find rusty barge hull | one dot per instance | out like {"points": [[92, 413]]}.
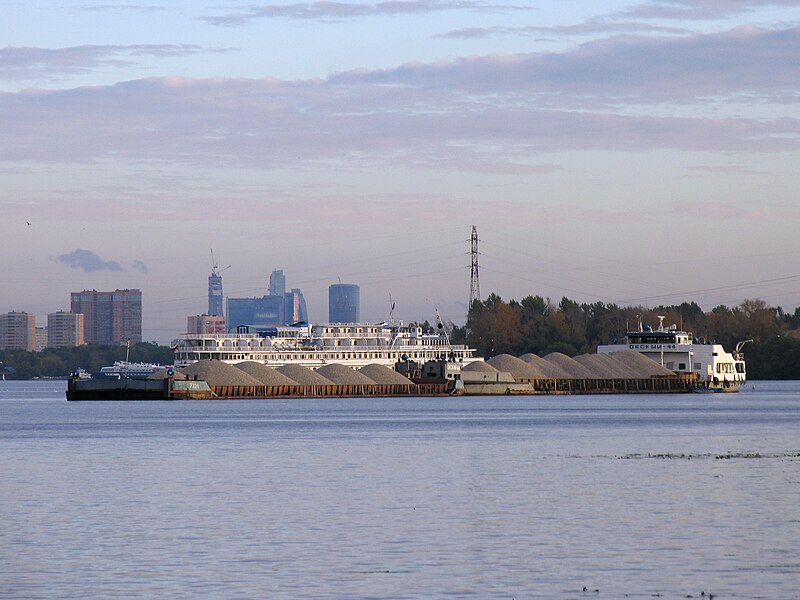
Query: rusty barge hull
{"points": [[198, 390]]}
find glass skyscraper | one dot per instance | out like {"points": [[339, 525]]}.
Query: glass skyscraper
{"points": [[344, 303]]}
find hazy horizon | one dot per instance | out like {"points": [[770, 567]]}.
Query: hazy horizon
{"points": [[641, 152]]}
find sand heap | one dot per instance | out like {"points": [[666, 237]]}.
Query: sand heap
{"points": [[573, 368], [640, 364], [479, 366], [547, 368], [619, 368], [384, 375], [594, 365], [519, 369], [218, 373], [622, 365], [266, 375], [303, 375], [343, 375], [164, 373]]}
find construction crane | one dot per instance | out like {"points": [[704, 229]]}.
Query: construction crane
{"points": [[215, 270]]}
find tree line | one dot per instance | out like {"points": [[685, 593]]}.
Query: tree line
{"points": [[541, 326], [60, 362], [534, 324]]}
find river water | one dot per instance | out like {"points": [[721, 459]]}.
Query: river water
{"points": [[636, 496]]}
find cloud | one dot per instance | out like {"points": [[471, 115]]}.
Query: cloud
{"points": [[139, 266], [338, 11], [715, 211], [121, 7], [624, 69], [700, 9], [34, 63], [88, 261], [590, 27], [487, 113]]}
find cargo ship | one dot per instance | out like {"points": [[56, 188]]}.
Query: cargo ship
{"points": [[717, 370]]}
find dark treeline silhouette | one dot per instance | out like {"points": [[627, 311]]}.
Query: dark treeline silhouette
{"points": [[538, 325], [60, 362]]}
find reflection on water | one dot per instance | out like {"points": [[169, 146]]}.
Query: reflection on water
{"points": [[530, 497]]}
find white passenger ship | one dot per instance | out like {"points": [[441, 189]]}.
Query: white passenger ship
{"points": [[717, 370], [132, 370], [351, 344]]}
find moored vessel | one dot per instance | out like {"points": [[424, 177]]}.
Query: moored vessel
{"points": [[717, 370], [129, 370], [352, 344]]}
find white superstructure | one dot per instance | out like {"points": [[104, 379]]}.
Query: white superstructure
{"points": [[133, 370], [352, 344], [676, 350]]}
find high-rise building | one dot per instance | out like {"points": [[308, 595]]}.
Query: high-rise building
{"points": [[41, 339], [215, 294], [279, 307], [18, 331], [109, 317], [294, 307], [215, 288], [255, 312], [65, 330], [344, 303], [277, 283], [200, 324]]}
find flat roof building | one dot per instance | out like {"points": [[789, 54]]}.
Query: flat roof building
{"points": [[18, 331], [109, 317], [201, 324], [65, 330]]}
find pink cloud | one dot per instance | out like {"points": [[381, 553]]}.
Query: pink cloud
{"points": [[716, 211]]}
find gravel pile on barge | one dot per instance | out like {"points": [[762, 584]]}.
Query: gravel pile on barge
{"points": [[303, 375], [595, 365], [217, 373], [617, 368], [548, 369], [518, 368], [164, 374], [573, 368], [266, 375], [479, 366], [384, 375], [641, 364], [343, 375]]}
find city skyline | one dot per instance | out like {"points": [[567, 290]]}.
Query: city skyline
{"points": [[638, 152]]}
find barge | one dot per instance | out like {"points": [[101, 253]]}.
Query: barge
{"points": [[434, 378]]}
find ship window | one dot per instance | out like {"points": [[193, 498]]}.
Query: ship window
{"points": [[698, 366], [740, 367], [681, 366]]}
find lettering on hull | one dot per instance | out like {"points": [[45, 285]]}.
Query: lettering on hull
{"points": [[653, 347]]}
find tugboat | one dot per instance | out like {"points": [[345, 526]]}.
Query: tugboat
{"points": [[717, 370]]}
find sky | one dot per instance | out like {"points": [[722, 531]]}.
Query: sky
{"points": [[638, 152]]}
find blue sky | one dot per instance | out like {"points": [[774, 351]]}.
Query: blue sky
{"points": [[637, 152]]}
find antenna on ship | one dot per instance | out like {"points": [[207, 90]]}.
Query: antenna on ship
{"points": [[391, 308], [440, 326], [474, 281]]}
